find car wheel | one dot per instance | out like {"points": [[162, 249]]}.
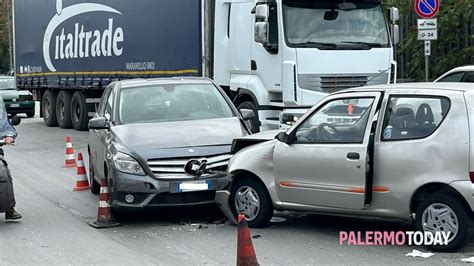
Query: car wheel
{"points": [[445, 213], [79, 111], [249, 196], [63, 109], [95, 186], [254, 123], [30, 114], [48, 107]]}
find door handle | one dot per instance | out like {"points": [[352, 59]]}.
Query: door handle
{"points": [[353, 156]]}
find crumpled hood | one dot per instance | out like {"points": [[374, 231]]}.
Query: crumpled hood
{"points": [[153, 136]]}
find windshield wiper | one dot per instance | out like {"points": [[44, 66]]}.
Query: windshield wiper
{"points": [[317, 44], [368, 44]]}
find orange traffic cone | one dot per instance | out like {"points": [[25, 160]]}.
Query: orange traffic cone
{"points": [[82, 182], [70, 158], [104, 214], [245, 251]]}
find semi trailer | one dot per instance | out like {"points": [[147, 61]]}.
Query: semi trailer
{"points": [[273, 56]]}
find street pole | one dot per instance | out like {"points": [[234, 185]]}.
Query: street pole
{"points": [[9, 27], [427, 71]]}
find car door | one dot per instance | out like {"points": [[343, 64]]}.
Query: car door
{"points": [[326, 162], [98, 136]]}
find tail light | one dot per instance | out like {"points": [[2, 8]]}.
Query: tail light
{"points": [[471, 176]]}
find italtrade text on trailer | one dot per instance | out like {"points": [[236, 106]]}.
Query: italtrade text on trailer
{"points": [[270, 56]]}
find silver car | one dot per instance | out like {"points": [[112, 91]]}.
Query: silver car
{"points": [[163, 142], [408, 154]]}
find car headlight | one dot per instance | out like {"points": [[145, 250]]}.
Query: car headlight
{"points": [[127, 164]]}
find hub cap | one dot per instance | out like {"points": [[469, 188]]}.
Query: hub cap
{"points": [[247, 202], [439, 217]]}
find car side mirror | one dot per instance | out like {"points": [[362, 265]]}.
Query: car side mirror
{"points": [[247, 114], [16, 120], [283, 137], [99, 123]]}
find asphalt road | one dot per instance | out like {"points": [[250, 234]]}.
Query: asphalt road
{"points": [[55, 227]]}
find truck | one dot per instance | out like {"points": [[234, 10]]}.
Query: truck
{"points": [[272, 56]]}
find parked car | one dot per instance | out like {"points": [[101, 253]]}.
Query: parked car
{"points": [[408, 155], [16, 101], [458, 74], [163, 142]]}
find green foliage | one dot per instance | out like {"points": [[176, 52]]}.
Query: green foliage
{"points": [[454, 46], [4, 49]]}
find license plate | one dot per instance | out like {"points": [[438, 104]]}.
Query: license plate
{"points": [[14, 105], [193, 186]]}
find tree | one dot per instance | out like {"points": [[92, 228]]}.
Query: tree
{"points": [[4, 36], [455, 44]]}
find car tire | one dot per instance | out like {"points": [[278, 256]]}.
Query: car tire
{"points": [[63, 109], [95, 186], [79, 111], [30, 114], [255, 122], [254, 187], [48, 107], [453, 206]]}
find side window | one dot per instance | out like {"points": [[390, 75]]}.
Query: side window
{"points": [[109, 105], [469, 77], [413, 117], [338, 121], [101, 109], [454, 77]]}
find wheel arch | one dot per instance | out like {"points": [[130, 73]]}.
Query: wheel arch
{"points": [[427, 190], [241, 174], [244, 95]]}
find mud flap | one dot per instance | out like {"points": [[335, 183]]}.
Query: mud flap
{"points": [[222, 201]]}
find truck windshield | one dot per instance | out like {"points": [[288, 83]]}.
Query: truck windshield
{"points": [[332, 25], [172, 102], [7, 83]]}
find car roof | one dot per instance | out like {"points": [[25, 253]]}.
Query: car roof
{"points": [[446, 86], [161, 81], [462, 68]]}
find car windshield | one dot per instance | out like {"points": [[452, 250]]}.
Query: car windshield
{"points": [[334, 25], [7, 83], [172, 102]]}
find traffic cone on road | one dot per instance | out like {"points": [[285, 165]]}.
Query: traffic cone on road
{"points": [[70, 158], [245, 251], [82, 182], [104, 214]]}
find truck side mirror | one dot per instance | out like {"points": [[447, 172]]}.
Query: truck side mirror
{"points": [[262, 12], [261, 32], [99, 123], [395, 32], [394, 14]]}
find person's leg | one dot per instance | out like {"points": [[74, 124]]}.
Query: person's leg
{"points": [[12, 214]]}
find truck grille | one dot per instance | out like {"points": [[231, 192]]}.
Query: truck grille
{"points": [[174, 167], [330, 84]]}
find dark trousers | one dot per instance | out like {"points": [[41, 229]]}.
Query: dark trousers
{"points": [[7, 197]]}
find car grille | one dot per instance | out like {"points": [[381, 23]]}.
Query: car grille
{"points": [[174, 167], [330, 84]]}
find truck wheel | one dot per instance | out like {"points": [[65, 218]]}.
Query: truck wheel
{"points": [[30, 114], [445, 213], [79, 111], [254, 123], [63, 109], [48, 106], [250, 197]]}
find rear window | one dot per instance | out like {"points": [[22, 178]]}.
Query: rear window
{"points": [[413, 117]]}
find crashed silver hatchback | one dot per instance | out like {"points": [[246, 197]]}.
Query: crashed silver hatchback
{"points": [[403, 151], [163, 142]]}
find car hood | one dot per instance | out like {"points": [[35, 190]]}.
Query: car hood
{"points": [[9, 94], [141, 137]]}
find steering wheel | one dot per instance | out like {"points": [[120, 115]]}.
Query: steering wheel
{"points": [[326, 131]]}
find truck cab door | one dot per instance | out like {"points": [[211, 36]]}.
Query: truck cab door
{"points": [[326, 162]]}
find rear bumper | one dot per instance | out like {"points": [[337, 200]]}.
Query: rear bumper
{"points": [[23, 107], [151, 192]]}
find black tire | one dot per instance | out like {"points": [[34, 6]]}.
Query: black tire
{"points": [[463, 215], [30, 114], [63, 109], [48, 107], [79, 111], [255, 122], [95, 186], [265, 213]]}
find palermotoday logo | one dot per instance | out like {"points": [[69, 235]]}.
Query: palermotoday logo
{"points": [[83, 42]]}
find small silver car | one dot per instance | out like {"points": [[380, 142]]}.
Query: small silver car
{"points": [[163, 142], [402, 151]]}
